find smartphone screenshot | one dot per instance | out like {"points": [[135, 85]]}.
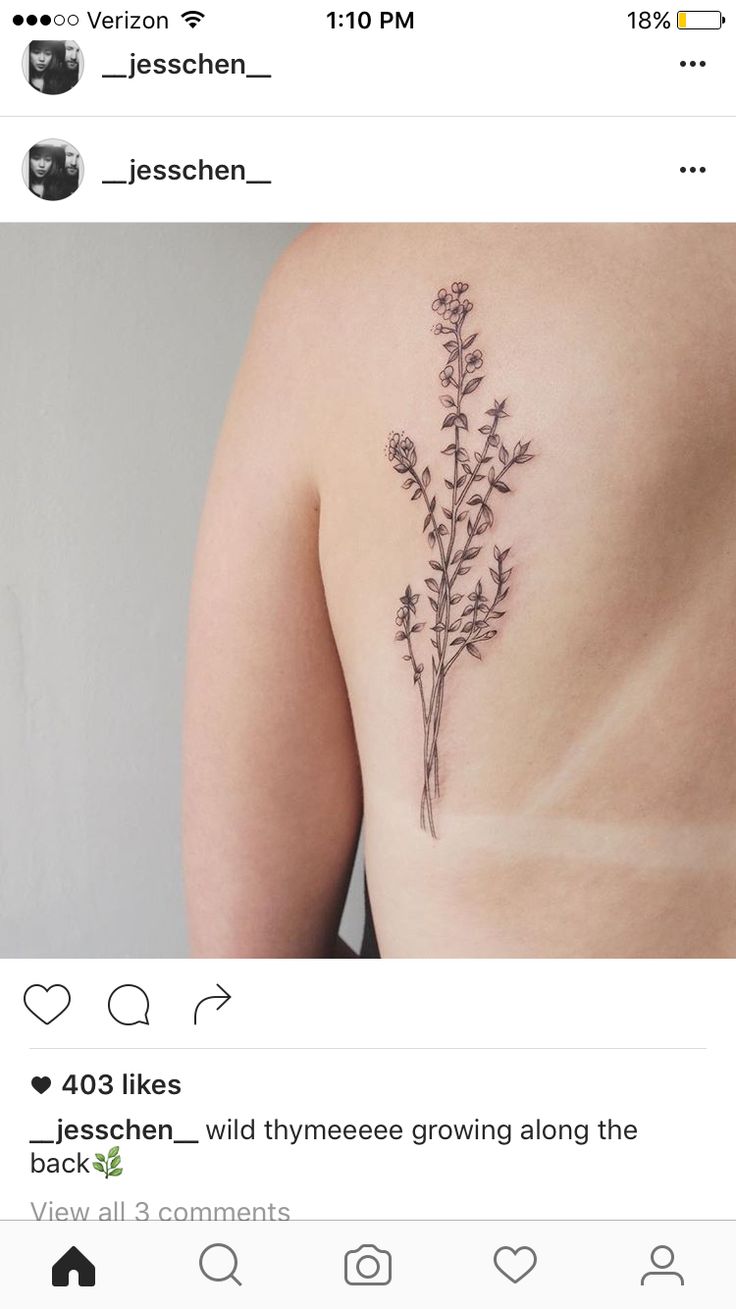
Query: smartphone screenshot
{"points": [[367, 687]]}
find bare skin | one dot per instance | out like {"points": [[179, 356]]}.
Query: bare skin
{"points": [[588, 767]]}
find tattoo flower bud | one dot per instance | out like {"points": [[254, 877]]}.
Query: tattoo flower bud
{"points": [[459, 288], [401, 451], [474, 360], [441, 301], [447, 376]]}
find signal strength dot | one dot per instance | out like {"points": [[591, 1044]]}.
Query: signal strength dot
{"points": [[192, 16]]}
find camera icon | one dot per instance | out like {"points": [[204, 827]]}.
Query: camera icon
{"points": [[367, 1266]]}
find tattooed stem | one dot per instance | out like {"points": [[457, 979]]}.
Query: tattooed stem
{"points": [[449, 562]]}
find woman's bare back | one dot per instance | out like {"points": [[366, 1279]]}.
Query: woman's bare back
{"points": [[570, 736]]}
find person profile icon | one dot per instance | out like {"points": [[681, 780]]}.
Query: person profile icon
{"points": [[662, 1258]]}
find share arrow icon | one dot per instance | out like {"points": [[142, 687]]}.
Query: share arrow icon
{"points": [[220, 1000]]}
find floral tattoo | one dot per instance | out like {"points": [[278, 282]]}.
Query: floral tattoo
{"points": [[452, 531]]}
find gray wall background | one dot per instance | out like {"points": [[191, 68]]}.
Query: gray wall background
{"points": [[118, 347]]}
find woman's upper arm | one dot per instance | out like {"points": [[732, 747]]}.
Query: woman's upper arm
{"points": [[272, 797]]}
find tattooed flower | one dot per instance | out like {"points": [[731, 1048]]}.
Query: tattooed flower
{"points": [[409, 601], [440, 303], [459, 612], [401, 451]]}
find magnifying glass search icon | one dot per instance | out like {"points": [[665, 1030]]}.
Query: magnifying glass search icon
{"points": [[219, 1263]]}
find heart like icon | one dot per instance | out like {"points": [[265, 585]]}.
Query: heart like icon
{"points": [[515, 1264], [40, 1084], [47, 1003]]}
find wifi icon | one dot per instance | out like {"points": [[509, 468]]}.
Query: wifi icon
{"points": [[192, 17]]}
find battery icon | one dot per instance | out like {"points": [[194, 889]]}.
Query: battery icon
{"points": [[699, 20]]}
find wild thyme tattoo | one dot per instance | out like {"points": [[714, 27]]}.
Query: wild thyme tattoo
{"points": [[453, 531]]}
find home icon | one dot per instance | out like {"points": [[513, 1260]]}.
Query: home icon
{"points": [[73, 1262]]}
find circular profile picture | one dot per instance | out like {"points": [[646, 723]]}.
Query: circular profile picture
{"points": [[53, 67], [53, 169]]}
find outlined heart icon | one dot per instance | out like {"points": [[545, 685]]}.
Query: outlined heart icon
{"points": [[47, 1003], [515, 1264]]}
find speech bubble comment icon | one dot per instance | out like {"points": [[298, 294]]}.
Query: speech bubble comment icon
{"points": [[128, 1005]]}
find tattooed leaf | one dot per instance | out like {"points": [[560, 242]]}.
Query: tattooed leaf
{"points": [[447, 512], [498, 486], [472, 386], [471, 554], [473, 650], [447, 401], [409, 482], [524, 459], [417, 493], [485, 431], [442, 530], [417, 628], [449, 449], [467, 343], [433, 604], [449, 484], [462, 421], [400, 636], [459, 640], [431, 538], [475, 500], [426, 477], [449, 421], [456, 557], [430, 582], [504, 454], [437, 567], [463, 571], [494, 575], [427, 521], [454, 626]]}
